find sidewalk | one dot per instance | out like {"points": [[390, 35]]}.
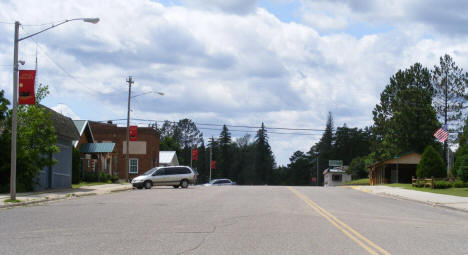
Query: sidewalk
{"points": [[56, 194], [454, 202]]}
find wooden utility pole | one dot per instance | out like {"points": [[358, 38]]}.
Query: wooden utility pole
{"points": [[130, 82]]}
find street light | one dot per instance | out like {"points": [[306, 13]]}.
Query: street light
{"points": [[15, 97], [130, 82]]}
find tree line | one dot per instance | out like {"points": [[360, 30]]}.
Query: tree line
{"points": [[414, 104]]}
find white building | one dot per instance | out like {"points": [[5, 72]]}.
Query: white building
{"points": [[168, 158], [335, 176]]}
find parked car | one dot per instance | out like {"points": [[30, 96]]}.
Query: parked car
{"points": [[175, 176], [220, 182]]}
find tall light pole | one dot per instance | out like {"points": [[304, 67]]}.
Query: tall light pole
{"points": [[130, 82], [14, 117]]}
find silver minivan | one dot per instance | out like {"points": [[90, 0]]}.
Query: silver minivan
{"points": [[175, 176]]}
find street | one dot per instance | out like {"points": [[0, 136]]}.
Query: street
{"points": [[234, 220]]}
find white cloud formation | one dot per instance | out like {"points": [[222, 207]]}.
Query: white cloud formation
{"points": [[226, 62], [65, 110]]}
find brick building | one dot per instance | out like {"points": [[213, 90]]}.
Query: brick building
{"points": [[143, 153]]}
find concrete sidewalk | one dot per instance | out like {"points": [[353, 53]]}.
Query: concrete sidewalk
{"points": [[56, 194], [454, 202]]}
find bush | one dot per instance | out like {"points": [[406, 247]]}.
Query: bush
{"points": [[431, 164], [442, 185], [460, 184], [114, 178], [462, 171]]}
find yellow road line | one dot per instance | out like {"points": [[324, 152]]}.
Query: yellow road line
{"points": [[347, 230]]}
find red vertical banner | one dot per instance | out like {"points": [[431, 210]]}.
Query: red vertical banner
{"points": [[213, 164], [195, 154], [133, 133], [26, 87]]}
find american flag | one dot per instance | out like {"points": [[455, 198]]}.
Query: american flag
{"points": [[441, 134]]}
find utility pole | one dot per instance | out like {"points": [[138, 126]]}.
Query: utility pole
{"points": [[130, 82], [14, 120], [210, 163], [317, 169]]}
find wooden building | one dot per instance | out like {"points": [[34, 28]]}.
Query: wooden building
{"points": [[396, 170]]}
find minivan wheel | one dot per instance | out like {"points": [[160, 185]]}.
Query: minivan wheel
{"points": [[175, 186], [148, 185], [184, 184]]}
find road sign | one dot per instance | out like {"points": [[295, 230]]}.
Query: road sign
{"points": [[335, 163]]}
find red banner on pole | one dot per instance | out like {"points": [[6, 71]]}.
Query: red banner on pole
{"points": [[195, 154], [213, 164], [26, 87], [133, 133]]}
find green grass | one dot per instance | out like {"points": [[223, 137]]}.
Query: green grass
{"points": [[461, 192], [11, 201], [364, 181], [75, 186]]}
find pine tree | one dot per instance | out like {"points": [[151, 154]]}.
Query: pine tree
{"points": [[325, 147], [225, 157], [264, 160], [450, 83], [431, 164], [405, 120]]}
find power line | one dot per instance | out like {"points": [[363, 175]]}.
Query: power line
{"points": [[234, 126]]}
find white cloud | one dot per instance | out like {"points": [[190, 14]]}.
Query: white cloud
{"points": [[226, 62], [65, 110]]}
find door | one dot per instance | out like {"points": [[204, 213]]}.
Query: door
{"points": [[159, 177]]}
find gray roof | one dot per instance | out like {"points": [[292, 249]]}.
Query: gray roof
{"points": [[81, 126], [97, 147], [63, 125]]}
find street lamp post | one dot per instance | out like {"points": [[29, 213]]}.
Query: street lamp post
{"points": [[14, 117], [130, 82]]}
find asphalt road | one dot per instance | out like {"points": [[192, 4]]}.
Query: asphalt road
{"points": [[234, 220]]}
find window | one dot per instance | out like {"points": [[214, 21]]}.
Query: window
{"points": [[133, 166], [336, 177]]}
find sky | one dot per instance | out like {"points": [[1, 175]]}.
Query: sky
{"points": [[281, 62]]}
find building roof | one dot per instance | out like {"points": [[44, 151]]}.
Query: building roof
{"points": [[165, 157], [334, 170], [407, 158], [81, 127], [97, 147], [63, 125]]}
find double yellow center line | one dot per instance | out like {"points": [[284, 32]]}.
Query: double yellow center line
{"points": [[365, 243]]}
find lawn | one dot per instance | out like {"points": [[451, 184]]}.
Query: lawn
{"points": [[461, 192], [364, 181]]}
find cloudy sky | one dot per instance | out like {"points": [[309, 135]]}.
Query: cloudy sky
{"points": [[237, 62]]}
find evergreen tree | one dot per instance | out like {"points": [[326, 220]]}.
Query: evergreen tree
{"points": [[300, 169], [264, 160], [325, 147], [431, 164], [463, 168], [225, 157], [405, 120], [450, 83]]}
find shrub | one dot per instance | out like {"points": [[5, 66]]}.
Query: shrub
{"points": [[114, 178], [431, 164], [463, 150], [462, 171], [460, 184], [442, 185]]}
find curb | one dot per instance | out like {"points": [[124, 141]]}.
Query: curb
{"points": [[62, 197], [434, 204]]}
